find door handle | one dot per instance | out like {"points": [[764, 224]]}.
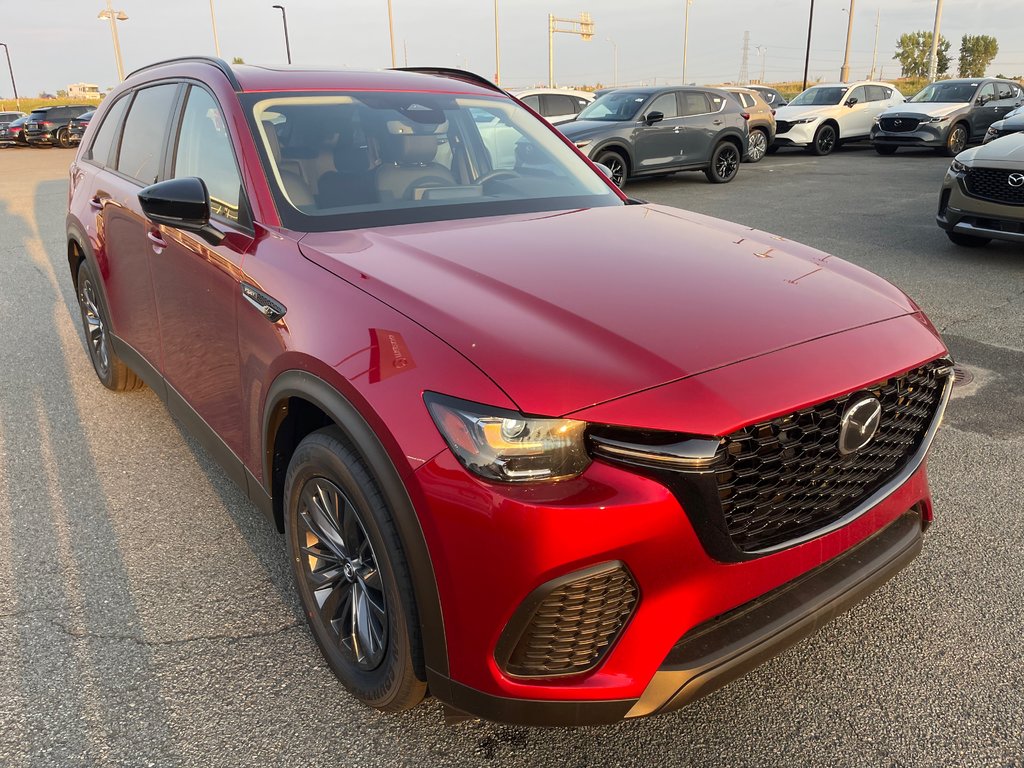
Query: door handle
{"points": [[716, 122], [158, 242]]}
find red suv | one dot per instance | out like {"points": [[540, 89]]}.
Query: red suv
{"points": [[558, 455]]}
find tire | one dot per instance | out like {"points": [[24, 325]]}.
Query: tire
{"points": [[725, 163], [617, 163], [825, 140], [357, 595], [63, 138], [968, 241], [885, 149], [757, 146], [956, 140], [110, 369]]}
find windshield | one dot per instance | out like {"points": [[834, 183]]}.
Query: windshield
{"points": [[614, 106], [820, 95], [950, 93], [354, 160]]}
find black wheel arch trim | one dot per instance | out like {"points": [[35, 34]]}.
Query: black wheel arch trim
{"points": [[309, 387], [616, 145]]}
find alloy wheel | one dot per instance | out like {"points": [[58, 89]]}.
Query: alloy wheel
{"points": [[727, 162], [342, 573], [618, 169], [758, 146], [95, 328], [957, 140], [825, 141]]}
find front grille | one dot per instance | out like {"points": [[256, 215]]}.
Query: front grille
{"points": [[570, 625], [785, 478], [994, 184], [899, 124], [782, 126]]}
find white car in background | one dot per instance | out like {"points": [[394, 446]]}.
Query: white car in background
{"points": [[556, 105], [825, 115]]}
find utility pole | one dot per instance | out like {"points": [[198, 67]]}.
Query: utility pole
{"points": [[583, 26], [874, 53], [844, 73], [615, 62], [391, 33], [10, 69], [933, 62], [744, 78], [807, 59], [497, 48], [686, 35], [762, 51], [216, 40]]}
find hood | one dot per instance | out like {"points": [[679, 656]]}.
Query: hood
{"points": [[791, 113], [579, 129], [570, 309], [930, 108], [1007, 152]]}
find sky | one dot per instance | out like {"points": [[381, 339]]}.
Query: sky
{"points": [[57, 42]]}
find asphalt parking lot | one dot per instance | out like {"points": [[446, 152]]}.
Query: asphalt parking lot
{"points": [[147, 614]]}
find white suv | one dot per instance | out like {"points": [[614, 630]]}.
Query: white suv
{"points": [[825, 115], [556, 105]]}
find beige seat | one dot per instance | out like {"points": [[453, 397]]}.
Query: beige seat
{"points": [[409, 164], [295, 187]]}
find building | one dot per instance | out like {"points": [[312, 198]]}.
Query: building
{"points": [[88, 91]]}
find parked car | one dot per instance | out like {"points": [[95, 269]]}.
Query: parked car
{"points": [[946, 115], [658, 131], [6, 118], [556, 105], [524, 449], [982, 197], [48, 126], [824, 116], [77, 126], [772, 96], [14, 132], [1012, 123], [760, 122]]}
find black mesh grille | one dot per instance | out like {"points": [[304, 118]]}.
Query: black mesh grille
{"points": [[899, 124], [782, 126], [785, 478], [574, 625], [994, 184]]}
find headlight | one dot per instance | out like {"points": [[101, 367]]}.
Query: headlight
{"points": [[957, 167], [878, 119], [804, 120], [928, 119], [506, 446], [582, 144]]}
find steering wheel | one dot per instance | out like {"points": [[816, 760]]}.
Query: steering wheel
{"points": [[500, 173]]}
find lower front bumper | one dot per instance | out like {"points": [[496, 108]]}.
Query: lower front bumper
{"points": [[934, 138], [966, 215], [724, 648]]}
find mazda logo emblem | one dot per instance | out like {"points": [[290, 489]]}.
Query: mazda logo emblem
{"points": [[1016, 179], [897, 122], [859, 425]]}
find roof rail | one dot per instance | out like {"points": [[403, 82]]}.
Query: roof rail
{"points": [[454, 74], [213, 61]]}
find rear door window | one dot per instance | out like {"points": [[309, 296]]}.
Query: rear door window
{"points": [[554, 104], [695, 103], [145, 133], [104, 138], [877, 93]]}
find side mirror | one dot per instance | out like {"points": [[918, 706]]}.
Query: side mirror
{"points": [[183, 204], [654, 117], [604, 169], [981, 101], [851, 102]]}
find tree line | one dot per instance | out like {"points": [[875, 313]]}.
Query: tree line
{"points": [[913, 52]]}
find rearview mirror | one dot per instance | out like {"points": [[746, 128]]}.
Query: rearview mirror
{"points": [[654, 117], [183, 204]]}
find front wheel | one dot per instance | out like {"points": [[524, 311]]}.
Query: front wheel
{"points": [[825, 140], [757, 146], [615, 163], [956, 141], [885, 149], [725, 162], [968, 241], [351, 573]]}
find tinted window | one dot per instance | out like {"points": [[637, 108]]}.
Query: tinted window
{"points": [[666, 104], [104, 138], [204, 150], [695, 103], [987, 93], [557, 104], [1005, 91], [142, 141], [533, 102], [858, 94], [877, 93]]}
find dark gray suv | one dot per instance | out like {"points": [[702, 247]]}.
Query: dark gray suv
{"points": [[946, 115], [658, 131]]}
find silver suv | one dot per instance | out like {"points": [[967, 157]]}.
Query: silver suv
{"points": [[947, 115]]}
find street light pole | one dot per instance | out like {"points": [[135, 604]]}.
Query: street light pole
{"points": [[216, 40], [497, 47], [686, 34], [933, 62], [113, 17], [17, 101], [844, 73], [287, 43], [615, 62], [391, 32], [807, 59]]}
